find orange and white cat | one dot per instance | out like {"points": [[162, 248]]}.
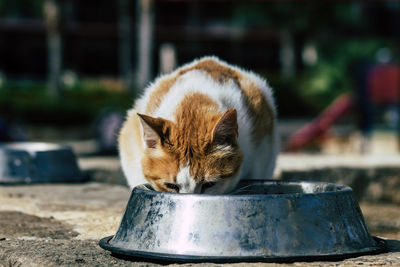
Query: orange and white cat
{"points": [[200, 129]]}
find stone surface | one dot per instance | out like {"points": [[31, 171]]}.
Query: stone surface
{"points": [[93, 209], [372, 177], [382, 219], [60, 225], [305, 162], [28, 226]]}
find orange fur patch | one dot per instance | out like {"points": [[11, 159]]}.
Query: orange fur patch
{"points": [[217, 71], [190, 141], [196, 118], [159, 92], [160, 169], [260, 110]]}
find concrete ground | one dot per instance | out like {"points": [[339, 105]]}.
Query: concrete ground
{"points": [[61, 224]]}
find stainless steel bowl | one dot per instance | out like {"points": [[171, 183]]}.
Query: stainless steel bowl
{"points": [[264, 220], [31, 162]]}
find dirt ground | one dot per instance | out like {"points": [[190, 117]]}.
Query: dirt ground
{"points": [[60, 225]]}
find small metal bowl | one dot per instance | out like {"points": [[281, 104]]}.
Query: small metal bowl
{"points": [[32, 162], [262, 221]]}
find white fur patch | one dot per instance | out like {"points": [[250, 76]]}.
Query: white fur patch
{"points": [[185, 181]]}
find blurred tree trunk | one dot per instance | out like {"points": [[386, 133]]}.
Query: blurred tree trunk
{"points": [[52, 18], [145, 15], [287, 54], [167, 58], [125, 43]]}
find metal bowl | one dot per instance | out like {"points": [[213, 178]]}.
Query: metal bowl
{"points": [[262, 221], [31, 162]]}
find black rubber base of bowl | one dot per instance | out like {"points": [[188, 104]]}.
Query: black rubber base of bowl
{"points": [[134, 255]]}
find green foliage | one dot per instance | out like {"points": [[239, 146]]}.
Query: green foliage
{"points": [[33, 103], [311, 16], [332, 76]]}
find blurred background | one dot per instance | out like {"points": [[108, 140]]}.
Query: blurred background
{"points": [[69, 69]]}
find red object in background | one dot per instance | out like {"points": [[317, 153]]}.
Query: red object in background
{"points": [[384, 84], [383, 88], [321, 124]]}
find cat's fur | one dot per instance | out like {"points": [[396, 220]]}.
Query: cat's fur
{"points": [[200, 129]]}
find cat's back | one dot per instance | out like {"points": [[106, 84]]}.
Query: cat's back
{"points": [[252, 91]]}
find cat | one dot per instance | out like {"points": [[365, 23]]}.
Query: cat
{"points": [[200, 129]]}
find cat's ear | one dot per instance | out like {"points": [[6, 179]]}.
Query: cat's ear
{"points": [[153, 130], [226, 129]]}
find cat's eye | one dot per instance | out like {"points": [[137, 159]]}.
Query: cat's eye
{"points": [[173, 187]]}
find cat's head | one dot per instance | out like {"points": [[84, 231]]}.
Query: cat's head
{"points": [[192, 156]]}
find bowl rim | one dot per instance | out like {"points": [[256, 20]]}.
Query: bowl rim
{"points": [[343, 189]]}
